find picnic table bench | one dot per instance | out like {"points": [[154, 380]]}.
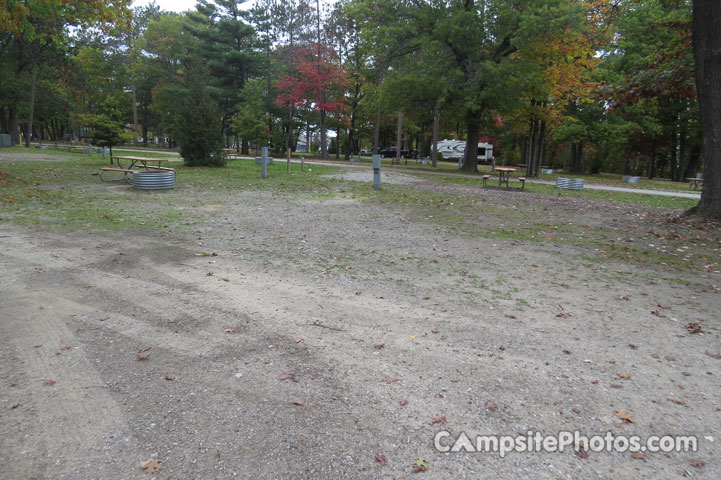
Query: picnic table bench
{"points": [[126, 174], [695, 182], [231, 153]]}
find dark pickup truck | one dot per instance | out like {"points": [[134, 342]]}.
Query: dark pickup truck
{"points": [[390, 152]]}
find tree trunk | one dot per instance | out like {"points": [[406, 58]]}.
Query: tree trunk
{"points": [[135, 116], [540, 148], [436, 124], [706, 38], [31, 113], [678, 174], [470, 156], [4, 124], [323, 137], [693, 157], [377, 131], [399, 136]]}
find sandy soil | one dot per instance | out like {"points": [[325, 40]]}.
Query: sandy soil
{"points": [[299, 338]]}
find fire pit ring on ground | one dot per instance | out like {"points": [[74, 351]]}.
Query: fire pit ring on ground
{"points": [[153, 180]]}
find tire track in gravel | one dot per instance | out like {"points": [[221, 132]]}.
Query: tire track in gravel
{"points": [[99, 442]]}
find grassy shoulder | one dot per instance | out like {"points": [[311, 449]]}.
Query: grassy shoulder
{"points": [[61, 189], [646, 200]]}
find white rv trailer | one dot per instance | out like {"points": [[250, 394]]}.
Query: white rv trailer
{"points": [[454, 150]]}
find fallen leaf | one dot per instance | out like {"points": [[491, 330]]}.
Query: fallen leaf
{"points": [[151, 465], [638, 455], [144, 349], [49, 383], [624, 416], [210, 274], [717, 356], [567, 352], [616, 385], [390, 379], [170, 379], [658, 314], [435, 330], [297, 340], [676, 401], [508, 315], [623, 377], [491, 405], [595, 382], [420, 465], [142, 356], [378, 346], [381, 459], [697, 463], [581, 454], [15, 406], [439, 420], [62, 349], [403, 403], [632, 346], [300, 403], [693, 328], [229, 330], [288, 376]]}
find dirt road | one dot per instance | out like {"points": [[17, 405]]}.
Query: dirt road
{"points": [[286, 340]]}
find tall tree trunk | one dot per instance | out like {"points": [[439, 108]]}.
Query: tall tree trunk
{"points": [[289, 140], [4, 124], [399, 137], [135, 116], [31, 112], [436, 124], [706, 38], [652, 165], [470, 156], [540, 148], [624, 169], [678, 174], [694, 152], [323, 136], [377, 131], [532, 145]]}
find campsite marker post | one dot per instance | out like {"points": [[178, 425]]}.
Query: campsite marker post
{"points": [[264, 160]]}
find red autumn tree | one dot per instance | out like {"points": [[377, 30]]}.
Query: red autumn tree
{"points": [[316, 83]]}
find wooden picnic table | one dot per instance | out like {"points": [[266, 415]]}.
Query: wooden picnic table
{"points": [[504, 174], [142, 161]]}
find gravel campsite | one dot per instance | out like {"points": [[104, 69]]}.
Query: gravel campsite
{"points": [[310, 327]]}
